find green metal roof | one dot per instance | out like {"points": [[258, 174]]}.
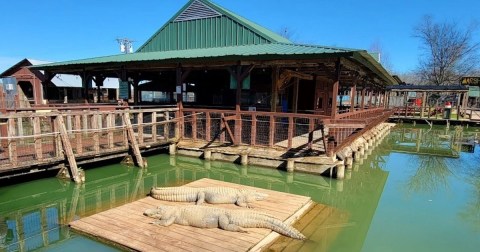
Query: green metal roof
{"points": [[260, 51], [203, 24]]}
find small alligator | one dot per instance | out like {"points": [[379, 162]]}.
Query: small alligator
{"points": [[214, 217], [212, 195]]}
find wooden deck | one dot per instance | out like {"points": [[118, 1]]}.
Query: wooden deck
{"points": [[126, 227]]}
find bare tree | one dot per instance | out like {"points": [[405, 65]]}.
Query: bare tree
{"points": [[448, 51]]}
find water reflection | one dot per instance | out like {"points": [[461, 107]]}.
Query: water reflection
{"points": [[34, 215]]}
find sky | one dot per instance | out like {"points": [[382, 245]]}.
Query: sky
{"points": [[60, 30]]}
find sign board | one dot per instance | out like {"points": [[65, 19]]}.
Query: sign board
{"points": [[471, 81], [123, 90]]}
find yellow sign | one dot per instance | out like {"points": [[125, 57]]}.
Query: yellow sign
{"points": [[471, 81]]}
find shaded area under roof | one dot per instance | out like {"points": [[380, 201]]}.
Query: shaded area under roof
{"points": [[421, 88]]}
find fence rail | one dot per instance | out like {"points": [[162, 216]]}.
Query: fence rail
{"points": [[291, 132], [33, 138]]}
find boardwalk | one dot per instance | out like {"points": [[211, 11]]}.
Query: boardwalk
{"points": [[126, 227]]}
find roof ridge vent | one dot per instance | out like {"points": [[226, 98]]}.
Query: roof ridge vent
{"points": [[197, 10]]}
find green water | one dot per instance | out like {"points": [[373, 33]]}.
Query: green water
{"points": [[401, 198]]}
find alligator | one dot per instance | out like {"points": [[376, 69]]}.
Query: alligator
{"points": [[212, 195], [214, 217]]}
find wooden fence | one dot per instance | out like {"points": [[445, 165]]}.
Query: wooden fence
{"points": [[30, 139]]}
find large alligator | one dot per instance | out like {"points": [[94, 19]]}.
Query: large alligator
{"points": [[215, 217], [212, 195]]}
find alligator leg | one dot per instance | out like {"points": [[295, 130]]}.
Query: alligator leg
{"points": [[200, 198], [224, 223], [165, 223]]}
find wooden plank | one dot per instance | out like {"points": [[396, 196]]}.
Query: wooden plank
{"points": [[132, 140], [126, 226], [67, 148]]}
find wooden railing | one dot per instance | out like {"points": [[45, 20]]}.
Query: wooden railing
{"points": [[33, 138], [288, 131]]}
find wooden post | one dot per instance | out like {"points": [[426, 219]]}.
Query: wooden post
{"points": [[132, 140], [295, 95], [273, 102], [166, 126], [110, 129], [154, 126], [253, 134], [362, 105], [223, 128], [95, 134], [353, 91], [194, 125], [37, 137], [78, 135], [311, 129], [208, 125], [424, 99], [271, 136], [140, 127], [57, 138], [67, 148], [290, 131], [405, 102], [12, 142], [336, 84]]}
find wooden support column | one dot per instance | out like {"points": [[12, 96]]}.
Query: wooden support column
{"points": [[99, 79], [295, 95], [336, 85], [132, 140], [271, 135], [67, 148], [240, 73], [362, 105], [458, 107], [181, 77], [275, 77], [370, 97], [353, 92], [135, 91], [424, 98], [45, 83], [208, 125], [405, 102], [253, 133]]}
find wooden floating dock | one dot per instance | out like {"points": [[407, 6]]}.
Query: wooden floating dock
{"points": [[126, 227]]}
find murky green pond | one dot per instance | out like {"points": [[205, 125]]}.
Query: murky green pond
{"points": [[417, 191]]}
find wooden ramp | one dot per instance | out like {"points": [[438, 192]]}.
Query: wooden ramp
{"points": [[126, 227]]}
